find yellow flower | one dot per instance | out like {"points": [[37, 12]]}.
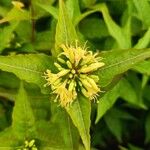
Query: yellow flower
{"points": [[76, 66], [64, 95], [28, 145]]}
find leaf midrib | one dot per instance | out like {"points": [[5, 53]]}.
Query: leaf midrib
{"points": [[127, 60], [70, 134], [20, 68], [83, 122]]}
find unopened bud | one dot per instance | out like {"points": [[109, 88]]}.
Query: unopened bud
{"points": [[59, 67], [69, 64], [95, 78], [57, 82], [71, 85], [70, 75], [61, 60], [86, 83], [63, 72], [31, 143], [91, 67], [85, 93], [26, 143], [73, 71]]}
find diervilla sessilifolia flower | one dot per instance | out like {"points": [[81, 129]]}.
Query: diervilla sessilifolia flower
{"points": [[75, 74], [28, 145]]}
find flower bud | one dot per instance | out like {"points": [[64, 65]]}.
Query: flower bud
{"points": [[73, 71], [57, 82], [71, 85], [31, 143], [91, 67], [70, 75], [94, 77], [86, 83], [61, 60], [63, 72], [69, 64], [68, 53], [85, 93], [93, 84], [58, 66]]}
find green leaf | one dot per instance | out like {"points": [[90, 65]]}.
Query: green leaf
{"points": [[65, 31], [122, 148], [119, 61], [87, 3], [8, 80], [143, 8], [97, 28], [7, 139], [132, 97], [133, 147], [24, 35], [80, 112], [83, 15], [120, 90], [5, 3], [107, 101], [73, 9], [114, 124], [23, 122], [144, 41], [3, 10], [145, 79], [6, 35], [30, 67], [67, 130], [50, 9], [44, 40], [16, 14], [147, 129], [47, 133], [123, 114], [121, 35], [115, 30], [143, 67], [3, 117], [8, 93]]}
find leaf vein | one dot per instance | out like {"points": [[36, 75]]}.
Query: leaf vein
{"points": [[121, 62], [21, 68]]}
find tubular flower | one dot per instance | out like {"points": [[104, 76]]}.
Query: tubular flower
{"points": [[75, 73]]}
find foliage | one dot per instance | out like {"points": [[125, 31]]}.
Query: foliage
{"points": [[31, 35]]}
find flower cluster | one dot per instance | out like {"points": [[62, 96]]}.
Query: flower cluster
{"points": [[75, 65], [28, 145]]}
